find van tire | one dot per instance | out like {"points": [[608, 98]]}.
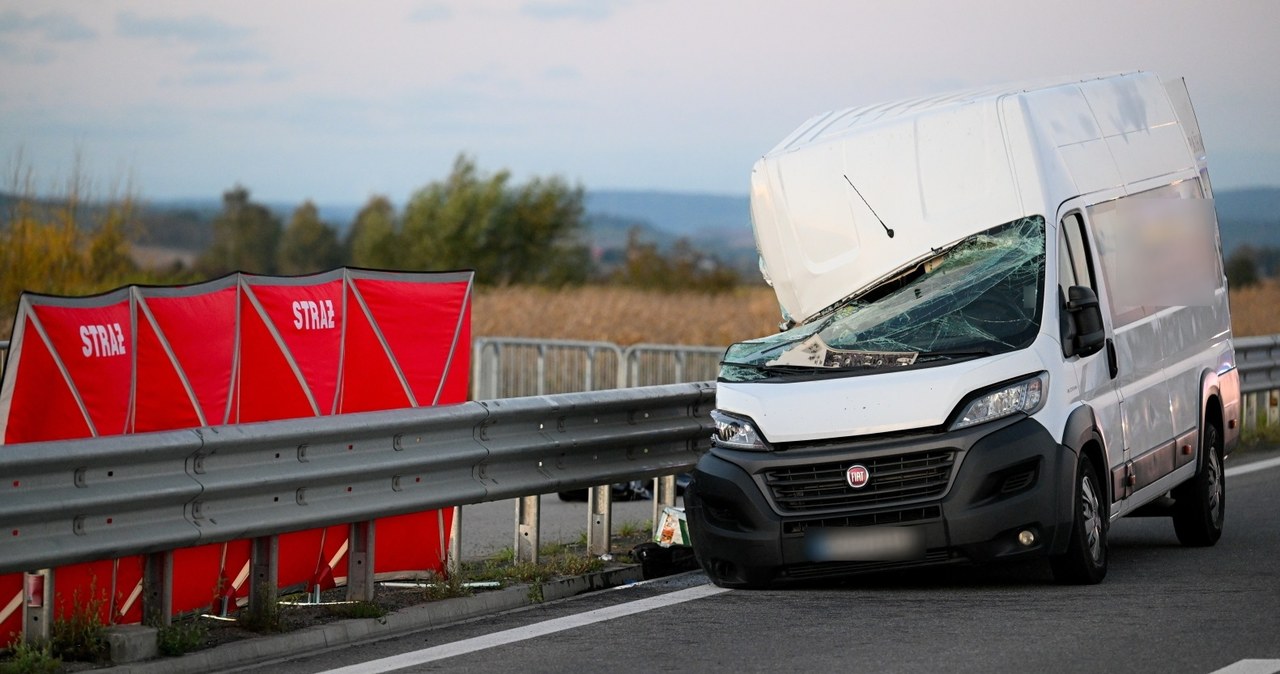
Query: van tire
{"points": [[1200, 504], [1085, 561]]}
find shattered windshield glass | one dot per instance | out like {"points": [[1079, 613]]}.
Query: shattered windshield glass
{"points": [[980, 296]]}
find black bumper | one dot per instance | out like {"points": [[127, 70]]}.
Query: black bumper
{"points": [[1004, 478]]}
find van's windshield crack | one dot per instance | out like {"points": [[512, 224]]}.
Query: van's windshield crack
{"points": [[982, 296]]}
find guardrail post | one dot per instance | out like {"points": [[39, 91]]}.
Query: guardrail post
{"points": [[157, 589], [453, 563], [664, 494], [599, 519], [527, 521], [37, 606], [264, 561], [360, 585]]}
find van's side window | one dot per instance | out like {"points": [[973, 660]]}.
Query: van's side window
{"points": [[1157, 248]]}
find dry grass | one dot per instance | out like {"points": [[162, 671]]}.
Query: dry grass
{"points": [[627, 316], [1256, 310]]}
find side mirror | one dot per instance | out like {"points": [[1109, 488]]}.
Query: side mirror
{"points": [[1086, 318]]}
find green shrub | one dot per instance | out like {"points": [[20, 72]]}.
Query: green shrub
{"points": [[25, 658], [182, 637]]}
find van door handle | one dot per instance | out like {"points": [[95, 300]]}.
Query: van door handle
{"points": [[1112, 363]]}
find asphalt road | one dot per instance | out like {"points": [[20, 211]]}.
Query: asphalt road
{"points": [[1162, 608]]}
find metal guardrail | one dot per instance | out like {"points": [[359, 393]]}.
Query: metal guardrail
{"points": [[1258, 360], [81, 500]]}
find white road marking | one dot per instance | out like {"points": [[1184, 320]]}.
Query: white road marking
{"points": [[1254, 467], [1251, 667], [527, 632]]}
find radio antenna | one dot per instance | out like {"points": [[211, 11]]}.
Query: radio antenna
{"points": [[869, 208]]}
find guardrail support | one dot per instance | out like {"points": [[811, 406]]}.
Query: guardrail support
{"points": [[157, 589], [664, 494], [453, 564], [37, 606], [360, 538], [527, 521], [599, 519], [264, 561]]}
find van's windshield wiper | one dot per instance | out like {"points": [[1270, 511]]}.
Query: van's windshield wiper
{"points": [[800, 369]]}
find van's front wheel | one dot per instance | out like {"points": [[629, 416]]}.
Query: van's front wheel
{"points": [[1200, 503], [1085, 561]]}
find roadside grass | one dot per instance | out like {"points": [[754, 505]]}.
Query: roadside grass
{"points": [[25, 658], [1260, 436], [81, 635]]}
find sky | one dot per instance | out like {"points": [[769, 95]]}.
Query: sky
{"points": [[337, 101]]}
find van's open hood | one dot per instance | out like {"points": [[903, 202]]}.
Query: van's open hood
{"points": [[933, 177]]}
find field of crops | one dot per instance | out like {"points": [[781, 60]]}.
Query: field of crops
{"points": [[627, 316]]}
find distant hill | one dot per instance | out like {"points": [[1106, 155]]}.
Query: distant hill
{"points": [[679, 213]]}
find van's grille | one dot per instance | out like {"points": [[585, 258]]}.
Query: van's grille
{"points": [[878, 518], [894, 479]]}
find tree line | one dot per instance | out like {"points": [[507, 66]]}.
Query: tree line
{"points": [[511, 233]]}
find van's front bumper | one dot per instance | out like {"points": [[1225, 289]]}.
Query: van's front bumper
{"points": [[756, 517]]}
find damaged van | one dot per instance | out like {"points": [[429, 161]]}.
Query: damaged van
{"points": [[1005, 326]]}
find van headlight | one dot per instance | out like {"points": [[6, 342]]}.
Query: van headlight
{"points": [[1025, 396], [735, 432]]}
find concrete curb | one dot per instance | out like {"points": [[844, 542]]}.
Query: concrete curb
{"points": [[410, 619]]}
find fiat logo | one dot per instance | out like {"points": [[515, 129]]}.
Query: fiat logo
{"points": [[857, 476]]}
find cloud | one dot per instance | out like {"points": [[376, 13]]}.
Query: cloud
{"points": [[12, 53], [197, 29], [581, 10], [228, 55], [52, 26], [431, 12]]}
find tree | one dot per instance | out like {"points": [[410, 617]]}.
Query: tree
{"points": [[681, 268], [373, 240], [307, 245], [521, 234], [64, 244], [245, 237], [1241, 268]]}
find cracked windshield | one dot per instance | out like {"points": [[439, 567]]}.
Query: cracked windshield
{"points": [[979, 297]]}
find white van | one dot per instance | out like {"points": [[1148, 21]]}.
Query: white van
{"points": [[1006, 326]]}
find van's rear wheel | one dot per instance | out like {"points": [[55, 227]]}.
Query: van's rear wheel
{"points": [[1200, 504], [1085, 561]]}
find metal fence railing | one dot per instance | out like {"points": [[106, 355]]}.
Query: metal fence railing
{"points": [[505, 367], [512, 367], [653, 364]]}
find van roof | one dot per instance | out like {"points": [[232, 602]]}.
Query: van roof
{"points": [[853, 195], [833, 123]]}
